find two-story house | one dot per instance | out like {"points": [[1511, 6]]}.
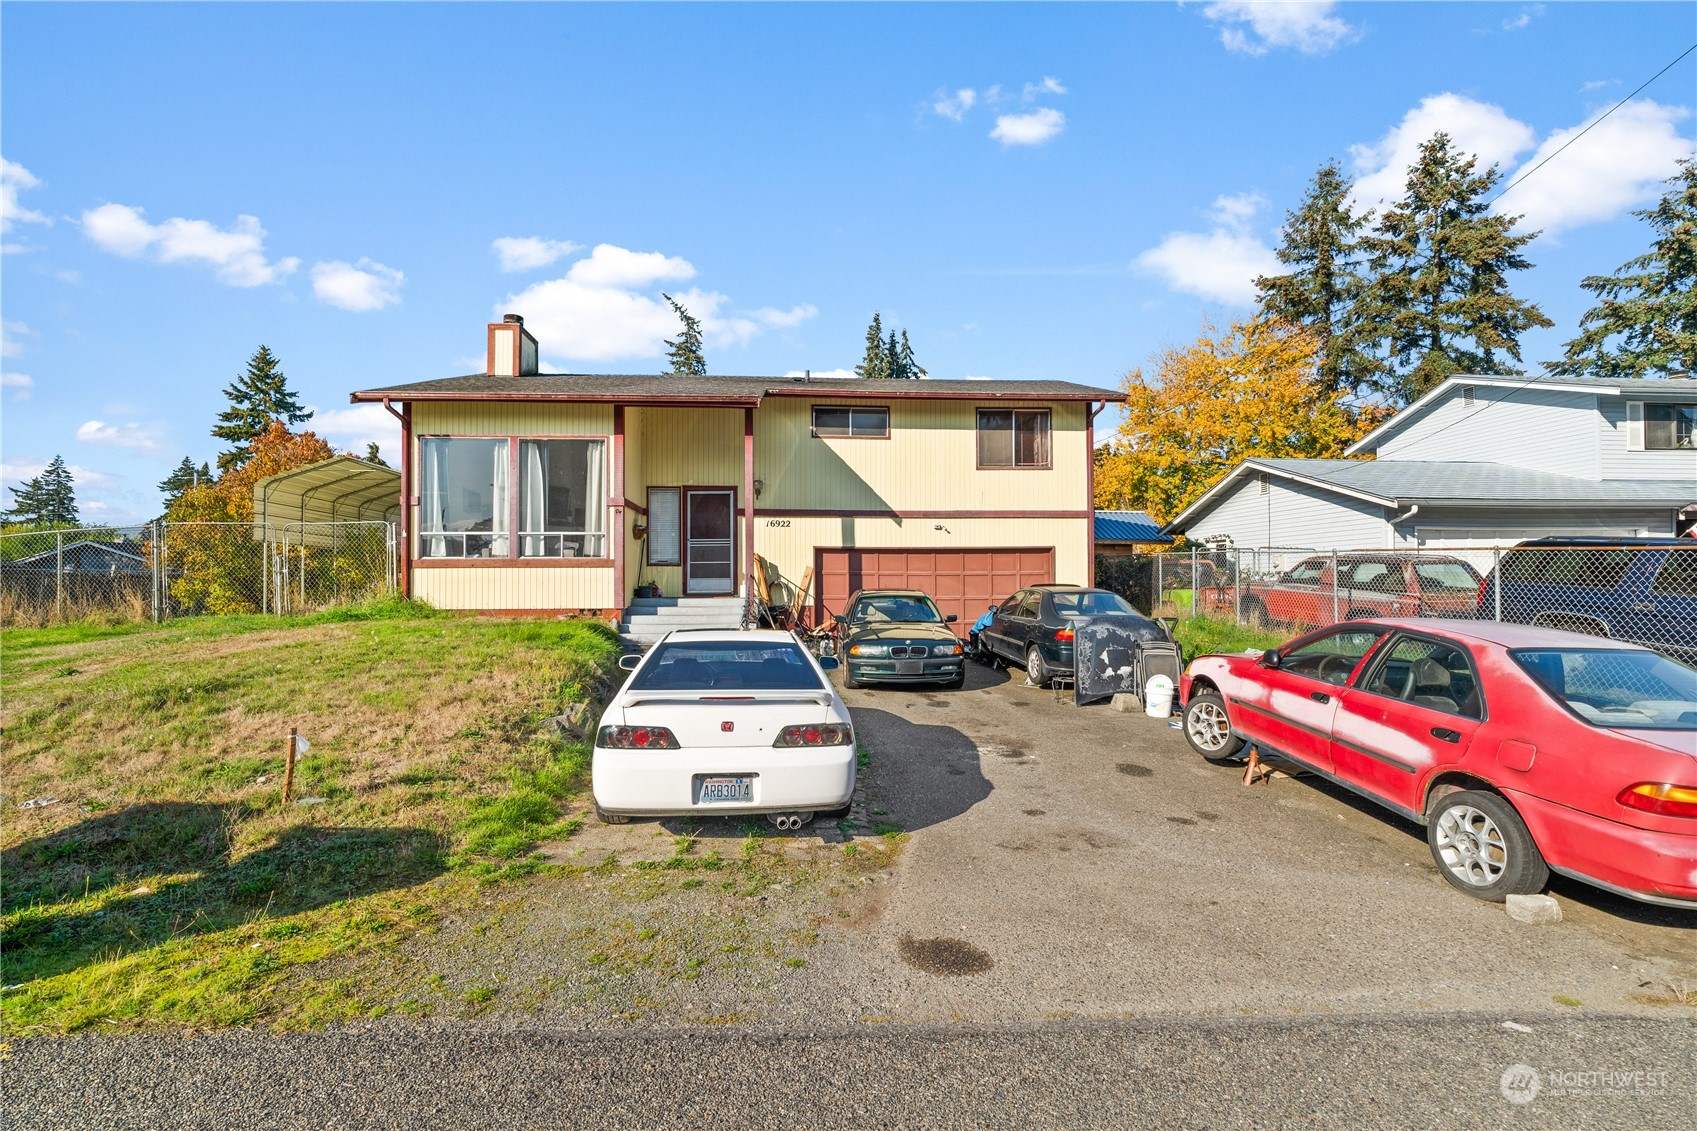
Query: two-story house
{"points": [[1478, 461], [562, 493]]}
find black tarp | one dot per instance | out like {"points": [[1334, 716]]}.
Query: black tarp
{"points": [[1104, 653]]}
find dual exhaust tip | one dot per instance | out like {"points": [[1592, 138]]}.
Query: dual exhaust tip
{"points": [[788, 822]]}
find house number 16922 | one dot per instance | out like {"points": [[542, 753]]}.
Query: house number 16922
{"points": [[777, 522]]}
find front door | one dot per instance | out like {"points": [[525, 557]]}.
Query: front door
{"points": [[710, 543]]}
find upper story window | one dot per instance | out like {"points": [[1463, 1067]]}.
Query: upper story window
{"points": [[463, 499], [853, 422], [1670, 427], [1013, 437]]}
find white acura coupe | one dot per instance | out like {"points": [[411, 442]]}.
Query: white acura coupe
{"points": [[715, 723]]}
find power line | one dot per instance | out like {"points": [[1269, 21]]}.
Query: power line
{"points": [[1540, 376]]}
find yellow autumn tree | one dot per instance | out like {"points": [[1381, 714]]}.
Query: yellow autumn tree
{"points": [[1247, 391], [215, 563]]}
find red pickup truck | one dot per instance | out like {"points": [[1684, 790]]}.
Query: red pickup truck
{"points": [[1365, 585]]}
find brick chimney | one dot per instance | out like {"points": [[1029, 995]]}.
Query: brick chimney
{"points": [[512, 351]]}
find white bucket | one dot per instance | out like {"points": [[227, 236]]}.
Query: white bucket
{"points": [[1158, 697]]}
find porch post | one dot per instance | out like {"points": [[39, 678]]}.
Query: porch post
{"points": [[404, 564], [1090, 411], [748, 509], [616, 531]]}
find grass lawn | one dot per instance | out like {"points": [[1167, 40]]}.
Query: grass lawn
{"points": [[1205, 636], [169, 883]]}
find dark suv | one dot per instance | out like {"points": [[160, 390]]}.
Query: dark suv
{"points": [[1638, 589]]}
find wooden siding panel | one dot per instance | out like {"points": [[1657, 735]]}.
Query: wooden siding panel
{"points": [[511, 418], [1293, 514], [518, 588], [1540, 429]]}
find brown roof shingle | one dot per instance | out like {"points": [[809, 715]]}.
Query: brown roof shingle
{"points": [[671, 387]]}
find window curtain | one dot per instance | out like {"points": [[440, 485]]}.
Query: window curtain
{"points": [[594, 500], [432, 502], [533, 498], [498, 544]]}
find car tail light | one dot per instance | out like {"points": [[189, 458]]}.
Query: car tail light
{"points": [[815, 734], [636, 738], [1064, 634], [1660, 798], [1479, 601]]}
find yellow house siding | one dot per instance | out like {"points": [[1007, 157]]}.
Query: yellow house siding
{"points": [[929, 462], [511, 418], [516, 588], [681, 447]]}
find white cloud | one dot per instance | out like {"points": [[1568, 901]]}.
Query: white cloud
{"points": [[794, 316], [1221, 265], [1527, 14], [608, 306], [119, 435], [13, 178], [1032, 128], [9, 344], [22, 469], [954, 106], [367, 285], [822, 374], [526, 253], [22, 382], [236, 254], [1620, 163], [1479, 128], [1597, 84], [1254, 27], [353, 428], [610, 266], [1049, 85]]}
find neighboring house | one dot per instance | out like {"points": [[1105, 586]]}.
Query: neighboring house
{"points": [[1478, 461], [538, 492], [87, 559], [1128, 532]]}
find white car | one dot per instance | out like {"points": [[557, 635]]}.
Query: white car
{"points": [[715, 723]]}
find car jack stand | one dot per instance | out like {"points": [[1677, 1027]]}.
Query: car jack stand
{"points": [[1255, 773]]}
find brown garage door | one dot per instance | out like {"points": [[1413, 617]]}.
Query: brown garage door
{"points": [[963, 582]]}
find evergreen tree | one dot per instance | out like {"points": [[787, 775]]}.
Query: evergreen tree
{"points": [[48, 500], [1437, 301], [876, 364], [257, 397], [182, 477], [373, 454], [910, 367], [893, 359], [1323, 251], [1645, 322], [685, 353]]}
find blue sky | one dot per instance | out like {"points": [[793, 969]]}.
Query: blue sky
{"points": [[362, 188]]}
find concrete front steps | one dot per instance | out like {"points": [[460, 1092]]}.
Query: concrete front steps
{"points": [[650, 618]]}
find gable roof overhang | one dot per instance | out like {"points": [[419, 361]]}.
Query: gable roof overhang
{"points": [[659, 390], [1207, 500]]}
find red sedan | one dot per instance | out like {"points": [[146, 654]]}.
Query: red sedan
{"points": [[1521, 750]]}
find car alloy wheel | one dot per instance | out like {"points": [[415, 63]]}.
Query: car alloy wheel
{"points": [[1208, 729], [1036, 671], [1483, 847]]}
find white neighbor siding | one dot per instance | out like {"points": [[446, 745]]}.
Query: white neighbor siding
{"points": [[1293, 514], [1619, 458], [1540, 429]]}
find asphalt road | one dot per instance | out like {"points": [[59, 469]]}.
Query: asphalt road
{"points": [[1357, 1073]]}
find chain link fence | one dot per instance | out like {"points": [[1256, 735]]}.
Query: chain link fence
{"points": [[1645, 592], [170, 569]]}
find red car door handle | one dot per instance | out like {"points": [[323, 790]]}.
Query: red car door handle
{"points": [[1446, 735], [1319, 697]]}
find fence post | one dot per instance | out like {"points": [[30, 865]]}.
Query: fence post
{"points": [[1334, 587], [1195, 576], [1497, 580], [59, 575], [1237, 586]]}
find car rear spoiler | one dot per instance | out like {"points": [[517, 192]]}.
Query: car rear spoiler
{"points": [[765, 698]]}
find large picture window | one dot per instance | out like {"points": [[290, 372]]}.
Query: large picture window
{"points": [[463, 500], [854, 422], [1017, 437], [562, 498]]}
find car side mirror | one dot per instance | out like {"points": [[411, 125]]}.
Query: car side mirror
{"points": [[951, 618], [1271, 658], [628, 662], [840, 619], [829, 663]]}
